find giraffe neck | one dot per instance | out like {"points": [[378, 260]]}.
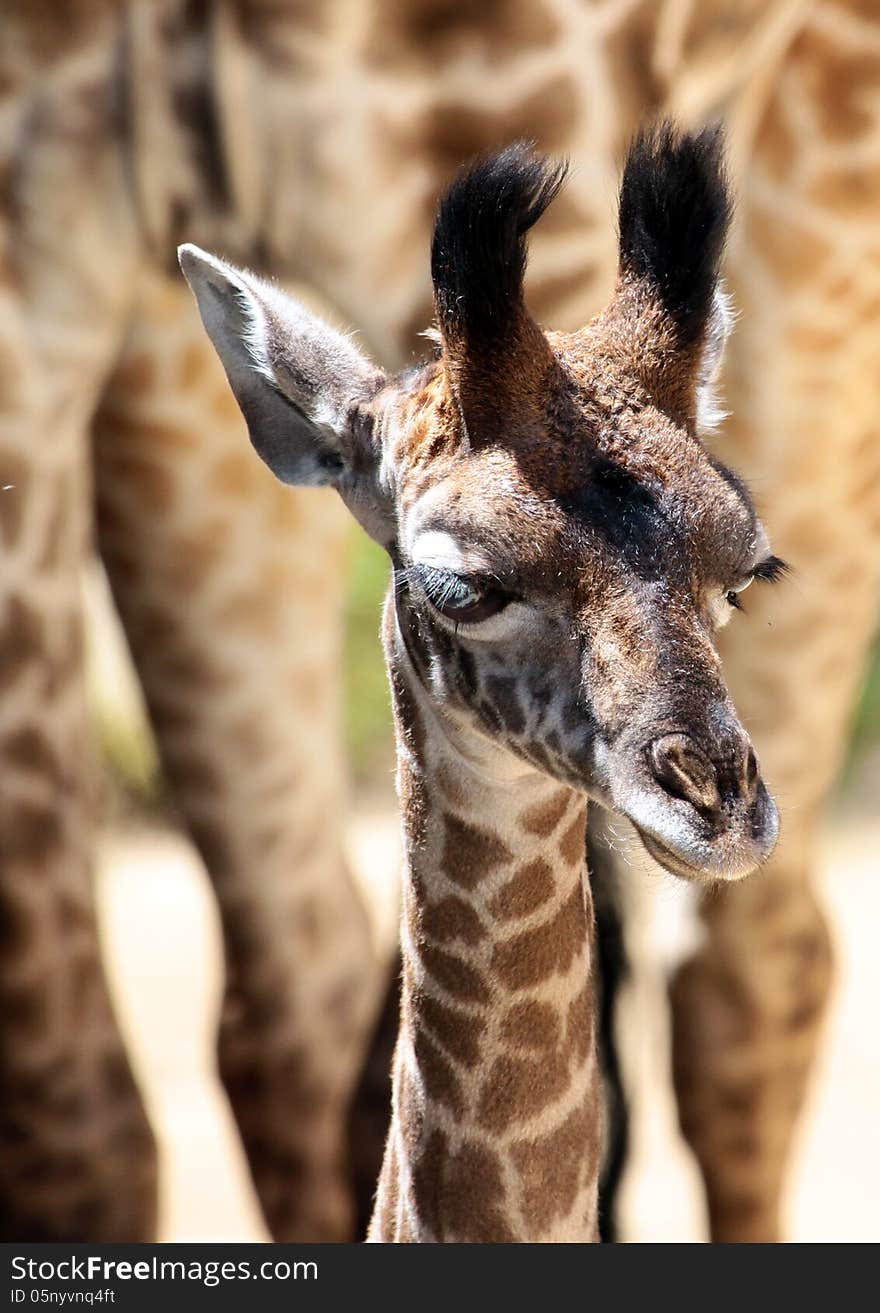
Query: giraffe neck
{"points": [[495, 1126]]}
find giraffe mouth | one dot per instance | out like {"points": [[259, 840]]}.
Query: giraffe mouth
{"points": [[672, 861], [704, 844], [669, 859]]}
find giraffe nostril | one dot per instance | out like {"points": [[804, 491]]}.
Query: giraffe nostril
{"points": [[683, 771]]}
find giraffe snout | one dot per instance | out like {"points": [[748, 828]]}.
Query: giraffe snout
{"points": [[700, 807]]}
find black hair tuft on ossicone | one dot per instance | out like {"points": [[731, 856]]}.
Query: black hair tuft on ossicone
{"points": [[478, 254], [675, 210]]}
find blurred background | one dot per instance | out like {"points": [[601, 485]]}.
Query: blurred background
{"points": [[311, 140]]}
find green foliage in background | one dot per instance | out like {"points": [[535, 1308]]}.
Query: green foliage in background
{"points": [[866, 722], [367, 706]]}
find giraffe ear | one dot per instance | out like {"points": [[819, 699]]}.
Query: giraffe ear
{"points": [[299, 383]]}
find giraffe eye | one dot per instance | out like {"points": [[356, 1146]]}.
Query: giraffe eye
{"points": [[459, 598], [733, 595]]}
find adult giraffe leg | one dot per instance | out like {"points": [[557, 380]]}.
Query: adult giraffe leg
{"points": [[230, 591], [77, 1157], [805, 395]]}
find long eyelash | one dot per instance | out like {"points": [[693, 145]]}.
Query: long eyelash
{"points": [[771, 570], [440, 585]]}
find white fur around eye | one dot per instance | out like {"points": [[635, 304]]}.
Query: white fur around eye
{"points": [[437, 550], [721, 611], [441, 551], [721, 608]]}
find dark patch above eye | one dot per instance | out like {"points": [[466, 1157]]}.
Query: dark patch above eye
{"points": [[611, 488], [619, 481], [624, 510]]}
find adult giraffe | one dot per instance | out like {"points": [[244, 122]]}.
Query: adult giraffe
{"points": [[116, 428]]}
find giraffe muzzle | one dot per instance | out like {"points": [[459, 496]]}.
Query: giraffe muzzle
{"points": [[703, 814]]}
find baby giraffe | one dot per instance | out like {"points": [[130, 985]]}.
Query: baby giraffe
{"points": [[563, 549]]}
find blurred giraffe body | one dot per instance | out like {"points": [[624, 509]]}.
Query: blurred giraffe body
{"points": [[311, 142], [111, 390]]}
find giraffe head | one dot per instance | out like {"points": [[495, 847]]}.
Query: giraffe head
{"points": [[564, 547]]}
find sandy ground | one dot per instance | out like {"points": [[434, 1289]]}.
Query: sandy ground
{"points": [[163, 946]]}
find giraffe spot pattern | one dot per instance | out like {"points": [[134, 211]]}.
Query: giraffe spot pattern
{"points": [[536, 954], [520, 1086], [530, 887], [25, 1011], [31, 835], [516, 1088], [450, 786], [447, 1182], [156, 485], [441, 1082], [469, 851], [530, 1025], [579, 1023], [136, 375], [450, 131], [21, 641], [456, 976], [843, 85], [459, 1032], [452, 919], [502, 692], [432, 31], [490, 716], [572, 845], [543, 818], [553, 1169], [28, 750]]}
